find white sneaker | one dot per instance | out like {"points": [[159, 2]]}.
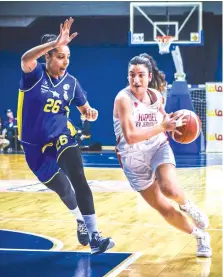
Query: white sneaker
{"points": [[198, 217], [204, 246]]}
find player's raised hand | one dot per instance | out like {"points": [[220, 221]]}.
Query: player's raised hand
{"points": [[64, 37]]}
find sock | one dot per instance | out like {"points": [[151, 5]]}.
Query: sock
{"points": [[185, 206], [76, 212], [197, 233], [91, 224]]}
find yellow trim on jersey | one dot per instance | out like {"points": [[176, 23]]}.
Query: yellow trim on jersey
{"points": [[67, 111], [70, 126], [45, 146], [72, 129], [19, 112], [52, 177], [65, 149]]}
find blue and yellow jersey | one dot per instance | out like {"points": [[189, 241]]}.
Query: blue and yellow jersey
{"points": [[43, 105]]}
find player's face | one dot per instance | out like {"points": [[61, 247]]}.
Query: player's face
{"points": [[139, 78], [58, 61]]}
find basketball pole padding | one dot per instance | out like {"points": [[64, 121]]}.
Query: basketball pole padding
{"points": [[179, 98]]}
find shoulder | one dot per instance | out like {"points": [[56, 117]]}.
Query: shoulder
{"points": [[30, 79], [123, 94], [40, 67], [155, 91], [123, 98], [70, 78]]}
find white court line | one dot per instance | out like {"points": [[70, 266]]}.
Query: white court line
{"points": [[124, 265], [102, 221], [57, 243], [28, 250]]}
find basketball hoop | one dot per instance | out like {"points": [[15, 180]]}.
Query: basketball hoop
{"points": [[164, 43]]}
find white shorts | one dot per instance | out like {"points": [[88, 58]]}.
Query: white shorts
{"points": [[140, 167]]}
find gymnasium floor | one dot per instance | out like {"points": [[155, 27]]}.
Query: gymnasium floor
{"points": [[38, 234]]}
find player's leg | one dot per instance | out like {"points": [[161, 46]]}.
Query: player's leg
{"points": [[45, 167], [60, 184], [163, 163], [141, 178], [154, 197], [70, 160]]}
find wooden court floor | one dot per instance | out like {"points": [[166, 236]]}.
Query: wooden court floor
{"points": [[123, 215]]}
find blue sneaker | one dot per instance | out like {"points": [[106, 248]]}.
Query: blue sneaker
{"points": [[82, 233], [99, 244]]}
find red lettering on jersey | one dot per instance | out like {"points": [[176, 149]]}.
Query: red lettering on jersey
{"points": [[147, 117]]}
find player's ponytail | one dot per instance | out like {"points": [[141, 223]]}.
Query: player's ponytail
{"points": [[158, 77]]}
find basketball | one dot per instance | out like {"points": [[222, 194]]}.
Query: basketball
{"points": [[190, 131]]}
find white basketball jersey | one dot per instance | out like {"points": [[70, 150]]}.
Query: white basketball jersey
{"points": [[145, 116]]}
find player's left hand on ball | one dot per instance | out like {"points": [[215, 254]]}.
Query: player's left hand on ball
{"points": [[91, 114], [179, 123]]}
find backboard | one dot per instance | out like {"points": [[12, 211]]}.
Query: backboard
{"points": [[180, 20]]}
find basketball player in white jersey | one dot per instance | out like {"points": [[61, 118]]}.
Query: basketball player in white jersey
{"points": [[148, 162]]}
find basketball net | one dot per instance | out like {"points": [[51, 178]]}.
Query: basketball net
{"points": [[164, 43]]}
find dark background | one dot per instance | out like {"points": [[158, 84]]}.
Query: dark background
{"points": [[100, 53]]}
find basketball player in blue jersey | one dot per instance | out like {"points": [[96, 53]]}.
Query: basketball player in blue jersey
{"points": [[46, 92], [140, 123]]}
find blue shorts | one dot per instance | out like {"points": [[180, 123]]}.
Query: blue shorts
{"points": [[42, 160]]}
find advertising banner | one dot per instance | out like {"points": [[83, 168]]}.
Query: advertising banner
{"points": [[214, 110]]}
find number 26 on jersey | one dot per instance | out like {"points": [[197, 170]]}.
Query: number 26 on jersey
{"points": [[52, 105]]}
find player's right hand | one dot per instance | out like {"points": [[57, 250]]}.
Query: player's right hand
{"points": [[64, 37]]}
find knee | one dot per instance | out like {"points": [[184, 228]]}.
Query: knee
{"points": [[169, 189], [61, 185]]}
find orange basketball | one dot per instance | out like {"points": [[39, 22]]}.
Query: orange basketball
{"points": [[190, 131]]}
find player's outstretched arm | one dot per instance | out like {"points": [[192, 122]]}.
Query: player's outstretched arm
{"points": [[29, 58]]}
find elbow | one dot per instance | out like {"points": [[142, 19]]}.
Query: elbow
{"points": [[24, 58]]}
